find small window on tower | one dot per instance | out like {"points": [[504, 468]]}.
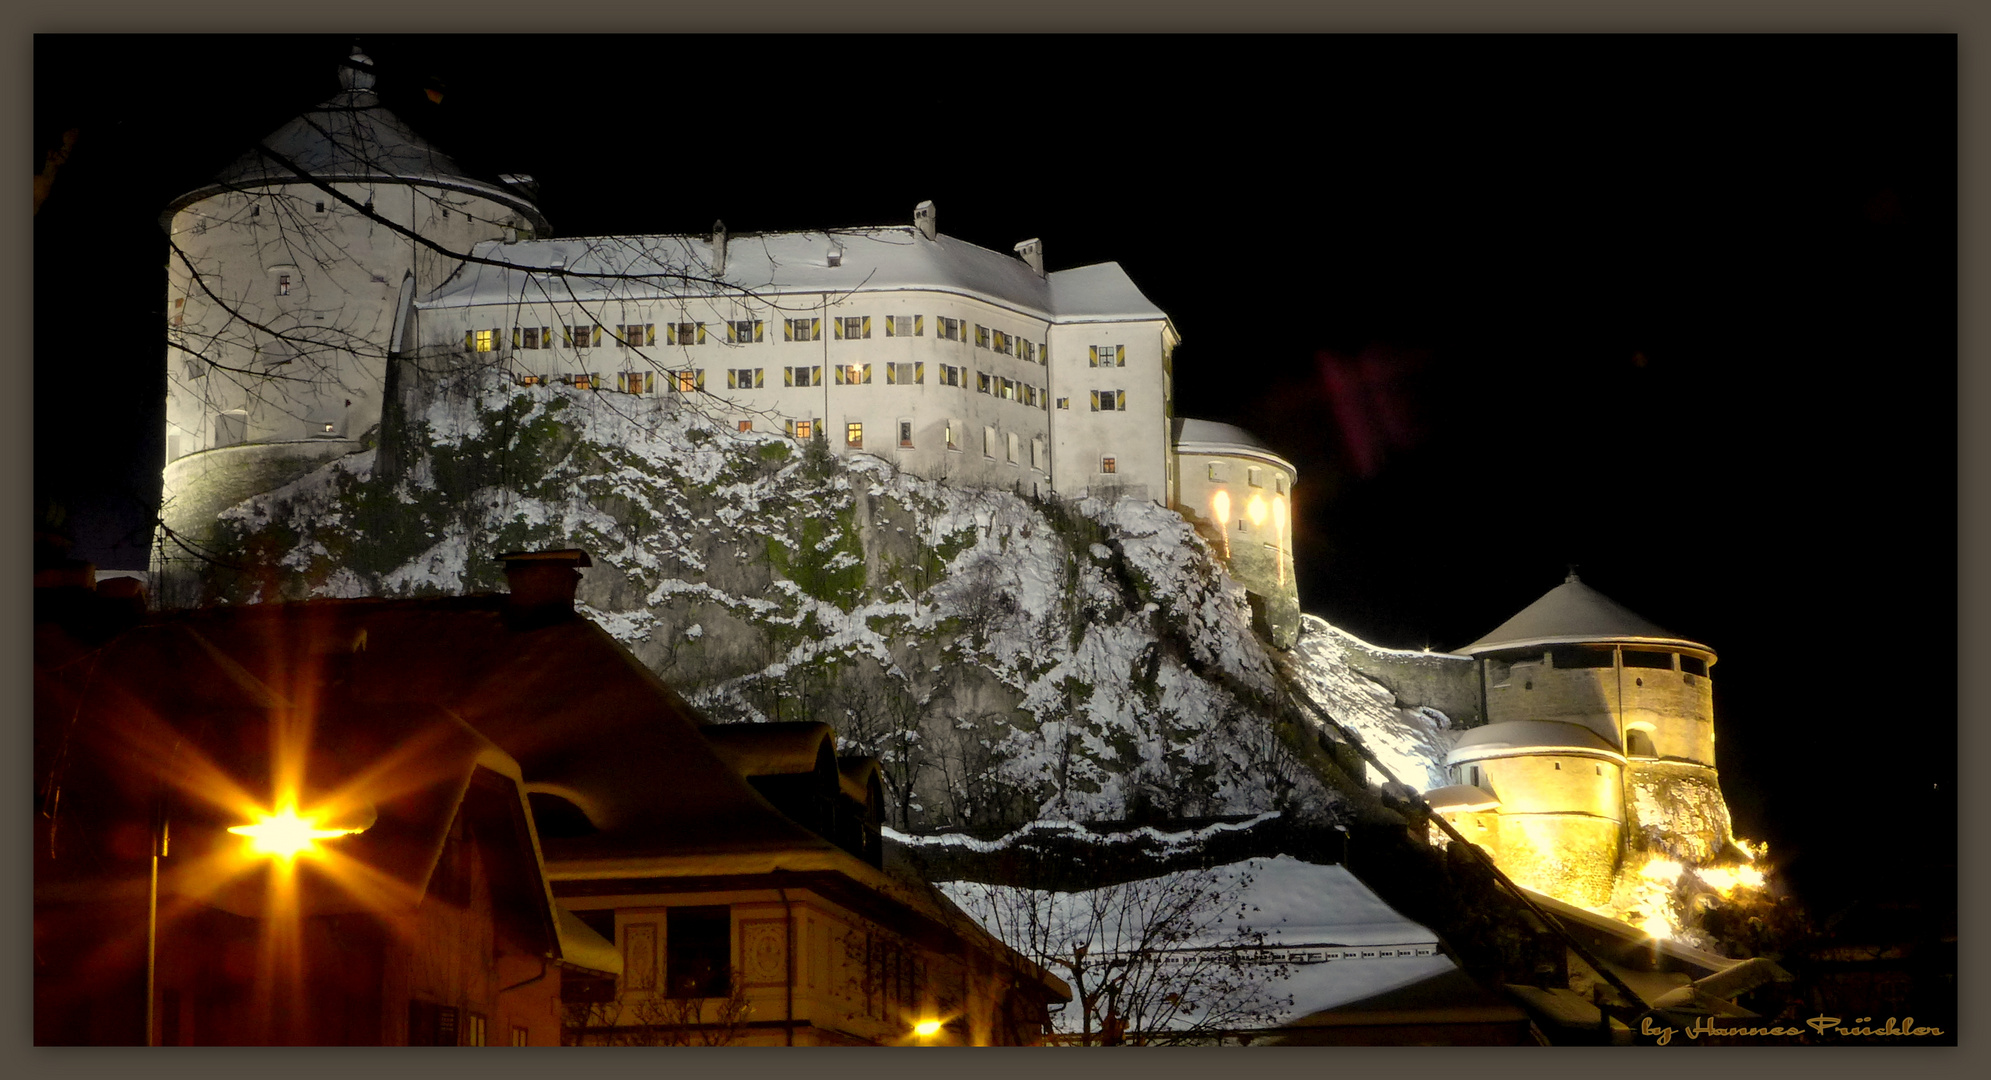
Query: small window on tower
{"points": [[321, 209], [905, 434], [283, 284], [746, 425], [1107, 465]]}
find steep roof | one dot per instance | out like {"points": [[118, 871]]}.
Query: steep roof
{"points": [[349, 138], [869, 259], [1573, 612]]}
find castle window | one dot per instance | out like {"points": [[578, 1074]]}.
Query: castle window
{"points": [[1030, 351], [256, 210], [685, 382], [1029, 395], [952, 443], [1577, 656], [581, 336], [982, 381], [527, 379], [853, 327], [1001, 342], [746, 425], [685, 333], [1108, 465], [584, 380], [905, 374], [1638, 744], [741, 331], [484, 340], [1220, 472], [803, 376], [638, 382], [1108, 356], [801, 329], [802, 429], [639, 956], [520, 1036], [635, 334], [1278, 485], [905, 325], [1640, 658], [1109, 401], [321, 208], [853, 374], [981, 336], [1694, 665], [988, 442], [1064, 403], [1012, 447], [745, 379], [947, 328], [1037, 454], [1253, 475], [532, 337], [950, 375], [698, 952], [853, 436], [473, 1029], [283, 284], [1558, 766], [905, 434]]}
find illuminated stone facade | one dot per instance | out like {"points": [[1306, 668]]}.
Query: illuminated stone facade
{"points": [[1239, 494], [1599, 745]]}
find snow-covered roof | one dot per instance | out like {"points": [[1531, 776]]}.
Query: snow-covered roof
{"points": [[1460, 798], [350, 138], [1210, 437], [1573, 612], [1517, 736], [870, 259]]}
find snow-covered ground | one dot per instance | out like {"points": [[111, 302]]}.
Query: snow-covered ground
{"points": [[1410, 742]]}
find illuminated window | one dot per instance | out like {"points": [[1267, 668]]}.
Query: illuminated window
{"points": [[853, 374], [853, 436], [684, 333], [637, 382], [802, 376], [634, 334], [746, 425], [1108, 465], [801, 329], [1109, 401], [745, 378], [527, 380], [905, 326], [473, 1030], [283, 284], [741, 331], [802, 429], [484, 340], [685, 382], [699, 952], [520, 1036], [584, 380], [905, 434]]}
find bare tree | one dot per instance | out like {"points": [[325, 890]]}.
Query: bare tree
{"points": [[644, 1018]]}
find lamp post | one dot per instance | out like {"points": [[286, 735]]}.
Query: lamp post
{"points": [[160, 829]]}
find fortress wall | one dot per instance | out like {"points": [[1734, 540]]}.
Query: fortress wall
{"points": [[1441, 681], [1549, 784], [1572, 857]]}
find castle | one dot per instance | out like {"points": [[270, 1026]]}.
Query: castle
{"points": [[318, 279], [322, 281]]}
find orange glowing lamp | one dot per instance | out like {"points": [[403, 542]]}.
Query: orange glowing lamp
{"points": [[927, 1029], [284, 835]]}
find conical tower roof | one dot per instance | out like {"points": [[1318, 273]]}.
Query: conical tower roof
{"points": [[1574, 612], [353, 138]]}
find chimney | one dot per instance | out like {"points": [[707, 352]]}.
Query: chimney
{"points": [[924, 219], [542, 583], [1032, 252], [718, 249]]}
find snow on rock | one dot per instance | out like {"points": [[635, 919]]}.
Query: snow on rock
{"points": [[1410, 741]]}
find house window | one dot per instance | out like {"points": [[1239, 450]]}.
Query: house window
{"points": [[905, 434], [1109, 401], [484, 340], [905, 374], [634, 334], [639, 956], [582, 336], [981, 336], [982, 381], [802, 376], [853, 436], [1107, 465], [699, 952], [745, 378], [988, 442], [802, 429], [741, 331], [801, 329], [637, 382], [905, 325], [685, 333], [685, 382], [746, 425], [853, 374], [852, 327], [520, 1036], [952, 442], [473, 1030], [283, 284], [947, 328]]}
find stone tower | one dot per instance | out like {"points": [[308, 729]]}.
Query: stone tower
{"points": [[1240, 496], [1599, 742], [290, 277]]}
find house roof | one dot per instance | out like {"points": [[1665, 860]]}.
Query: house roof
{"points": [[875, 259], [1569, 613], [352, 138], [1522, 736], [769, 749]]}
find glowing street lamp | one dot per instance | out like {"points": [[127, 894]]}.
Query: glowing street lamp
{"points": [[284, 835]]}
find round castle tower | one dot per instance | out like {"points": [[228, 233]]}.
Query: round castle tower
{"points": [[1239, 494], [1599, 740], [285, 298]]}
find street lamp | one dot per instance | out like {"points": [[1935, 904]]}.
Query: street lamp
{"points": [[285, 835]]}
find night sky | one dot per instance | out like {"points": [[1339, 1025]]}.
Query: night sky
{"points": [[1680, 311]]}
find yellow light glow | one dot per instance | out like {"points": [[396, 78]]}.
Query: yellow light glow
{"points": [[1279, 514], [1658, 869], [285, 835], [926, 1029], [1726, 882], [1255, 510], [1220, 512], [1656, 926]]}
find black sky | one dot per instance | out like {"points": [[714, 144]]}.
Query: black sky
{"points": [[1678, 310]]}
